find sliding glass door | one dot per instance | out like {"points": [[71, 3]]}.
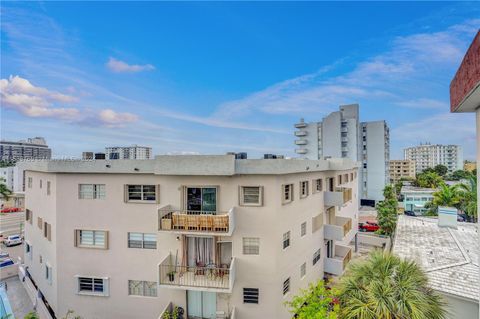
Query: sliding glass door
{"points": [[201, 304], [201, 199]]}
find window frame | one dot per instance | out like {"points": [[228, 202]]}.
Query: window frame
{"points": [[290, 193], [142, 193], [143, 289], [286, 286], [317, 185], [49, 186], [242, 201], [105, 286], [304, 191], [250, 249], [303, 270], [78, 238], [317, 255], [251, 295], [303, 229], [286, 240], [96, 192], [130, 241]]}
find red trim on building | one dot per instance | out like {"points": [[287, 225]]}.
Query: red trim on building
{"points": [[467, 76]]}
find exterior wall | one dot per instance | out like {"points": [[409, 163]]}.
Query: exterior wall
{"points": [[460, 308], [7, 174], [265, 271], [415, 201], [331, 139]]}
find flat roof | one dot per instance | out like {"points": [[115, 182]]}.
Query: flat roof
{"points": [[204, 165], [448, 255], [414, 189]]}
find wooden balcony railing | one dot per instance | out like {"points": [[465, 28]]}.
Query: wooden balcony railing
{"points": [[170, 219]]}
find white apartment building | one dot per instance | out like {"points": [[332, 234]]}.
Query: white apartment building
{"points": [[32, 148], [128, 152], [428, 155], [341, 135], [215, 235], [13, 177]]}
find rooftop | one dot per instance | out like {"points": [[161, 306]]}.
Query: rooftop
{"points": [[449, 256], [203, 165], [413, 189]]}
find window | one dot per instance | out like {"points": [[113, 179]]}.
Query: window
{"points": [[345, 177], [339, 179], [318, 185], [29, 250], [286, 286], [303, 189], [48, 273], [286, 239], [92, 286], [316, 256], [250, 295], [91, 191], [29, 216], [251, 245], [41, 183], [303, 270], [251, 196], [303, 229], [91, 238], [40, 259], [47, 231], [40, 222], [351, 176], [141, 240], [287, 193], [30, 181], [142, 288], [49, 187], [141, 193]]}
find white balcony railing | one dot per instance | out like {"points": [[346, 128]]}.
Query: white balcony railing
{"points": [[339, 197], [208, 278], [301, 142], [301, 151], [338, 263], [196, 222], [339, 229], [300, 133]]}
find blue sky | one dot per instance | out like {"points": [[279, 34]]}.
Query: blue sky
{"points": [[209, 78]]}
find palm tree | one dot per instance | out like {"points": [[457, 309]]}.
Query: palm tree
{"points": [[468, 197], [429, 180], [4, 191], [446, 196], [385, 287]]}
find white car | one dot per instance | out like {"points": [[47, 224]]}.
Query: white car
{"points": [[13, 240]]}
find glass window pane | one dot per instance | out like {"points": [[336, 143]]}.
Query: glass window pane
{"points": [[86, 237]]}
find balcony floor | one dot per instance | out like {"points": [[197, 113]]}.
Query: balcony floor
{"points": [[190, 279]]}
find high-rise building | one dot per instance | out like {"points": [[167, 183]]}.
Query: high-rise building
{"points": [[87, 156], [215, 235], [341, 135], [429, 155], [398, 169], [32, 148], [128, 152]]}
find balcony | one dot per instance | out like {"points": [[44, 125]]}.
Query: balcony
{"points": [[338, 264], [196, 222], [300, 133], [301, 151], [339, 229], [301, 142], [344, 139], [339, 197], [208, 278], [301, 125]]}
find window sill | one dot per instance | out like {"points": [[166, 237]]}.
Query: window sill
{"points": [[286, 203], [251, 205], [141, 201], [92, 247], [94, 294]]}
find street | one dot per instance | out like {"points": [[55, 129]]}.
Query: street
{"points": [[12, 223]]}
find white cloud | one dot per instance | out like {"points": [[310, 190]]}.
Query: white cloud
{"points": [[119, 66], [19, 94]]}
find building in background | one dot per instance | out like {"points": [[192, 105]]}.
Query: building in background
{"points": [[415, 198], [128, 152], [32, 148], [449, 256], [220, 237], [469, 166], [399, 169], [341, 135], [429, 155], [99, 156]]}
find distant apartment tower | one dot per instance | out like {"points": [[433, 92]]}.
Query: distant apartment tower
{"points": [[87, 156], [128, 152], [32, 148], [428, 155], [220, 237], [341, 135], [398, 169]]}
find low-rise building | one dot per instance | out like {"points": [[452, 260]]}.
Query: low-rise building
{"points": [[449, 256], [469, 166], [415, 198], [401, 169], [215, 235]]}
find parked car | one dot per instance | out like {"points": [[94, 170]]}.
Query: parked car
{"points": [[6, 262], [4, 254], [10, 210], [410, 213], [13, 240], [460, 218], [2, 238], [368, 227]]}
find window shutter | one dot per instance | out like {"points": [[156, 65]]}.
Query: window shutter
{"points": [[125, 193], [75, 237], [106, 239], [49, 232], [261, 195], [157, 193]]}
